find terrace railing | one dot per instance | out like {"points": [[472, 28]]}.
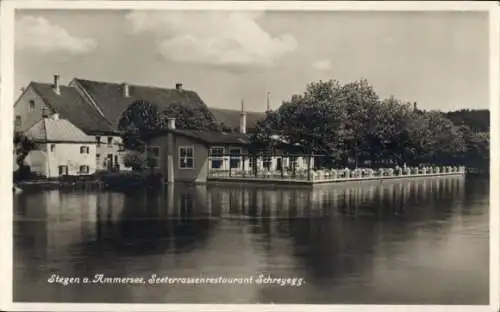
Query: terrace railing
{"points": [[335, 174]]}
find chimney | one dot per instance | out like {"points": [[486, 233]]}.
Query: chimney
{"points": [[415, 106], [178, 86], [55, 116], [56, 86], [243, 119], [171, 123], [125, 90]]}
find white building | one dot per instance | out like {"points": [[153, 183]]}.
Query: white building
{"points": [[61, 149]]}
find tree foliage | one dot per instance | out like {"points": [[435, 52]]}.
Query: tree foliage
{"points": [[143, 117], [478, 120], [198, 118], [23, 145], [352, 125]]}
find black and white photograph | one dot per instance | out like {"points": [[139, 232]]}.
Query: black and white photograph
{"points": [[284, 154]]}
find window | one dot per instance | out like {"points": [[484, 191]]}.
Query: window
{"points": [[18, 121], [52, 147], [63, 170], [253, 161], [110, 141], [108, 162], [97, 159], [84, 169], [293, 162], [235, 157], [32, 106], [84, 150], [98, 139], [266, 161], [186, 157], [217, 157], [153, 155]]}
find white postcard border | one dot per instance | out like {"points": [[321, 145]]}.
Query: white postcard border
{"points": [[7, 96]]}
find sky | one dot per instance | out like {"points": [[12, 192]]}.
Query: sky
{"points": [[437, 59]]}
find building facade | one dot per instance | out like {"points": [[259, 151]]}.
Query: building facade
{"points": [[61, 149], [95, 108], [194, 156], [40, 100]]}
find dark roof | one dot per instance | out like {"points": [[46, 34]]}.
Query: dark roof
{"points": [[231, 117], [207, 137], [71, 106], [109, 97]]}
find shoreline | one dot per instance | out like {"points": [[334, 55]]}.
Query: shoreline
{"points": [[98, 184]]}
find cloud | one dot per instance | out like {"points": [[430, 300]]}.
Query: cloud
{"points": [[322, 65], [41, 35], [222, 39]]}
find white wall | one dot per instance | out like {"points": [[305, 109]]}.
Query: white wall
{"points": [[104, 150], [22, 108], [68, 154]]}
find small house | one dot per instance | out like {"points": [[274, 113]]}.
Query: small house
{"points": [[182, 155], [61, 149]]}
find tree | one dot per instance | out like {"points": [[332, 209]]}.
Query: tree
{"points": [[135, 160], [198, 118], [311, 120], [23, 145], [139, 118], [477, 153], [361, 102], [350, 123], [477, 120], [143, 116]]}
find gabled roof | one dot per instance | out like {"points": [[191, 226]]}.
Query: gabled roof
{"points": [[58, 130], [110, 99], [206, 137], [72, 107], [231, 117]]}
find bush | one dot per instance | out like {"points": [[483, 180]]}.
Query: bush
{"points": [[135, 160], [24, 173]]}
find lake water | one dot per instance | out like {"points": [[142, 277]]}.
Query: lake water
{"points": [[402, 242]]}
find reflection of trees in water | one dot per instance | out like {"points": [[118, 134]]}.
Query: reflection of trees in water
{"points": [[334, 229], [151, 223], [477, 188], [376, 199], [331, 247]]}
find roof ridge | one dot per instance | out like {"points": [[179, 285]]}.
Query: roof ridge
{"points": [[131, 84], [236, 110], [49, 84]]}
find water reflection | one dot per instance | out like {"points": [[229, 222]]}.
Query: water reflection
{"points": [[420, 241]]}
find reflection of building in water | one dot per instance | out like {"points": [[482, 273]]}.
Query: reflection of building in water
{"points": [[391, 196]]}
